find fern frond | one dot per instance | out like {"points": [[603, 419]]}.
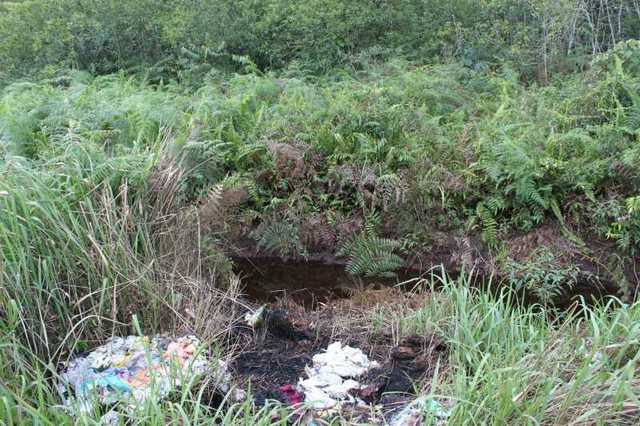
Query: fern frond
{"points": [[372, 256], [279, 236], [489, 225]]}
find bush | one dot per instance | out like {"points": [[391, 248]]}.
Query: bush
{"points": [[542, 276], [190, 38]]}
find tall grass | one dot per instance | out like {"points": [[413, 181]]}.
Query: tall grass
{"points": [[511, 364], [506, 364], [88, 243]]}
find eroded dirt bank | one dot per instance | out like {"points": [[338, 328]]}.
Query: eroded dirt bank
{"points": [[592, 271]]}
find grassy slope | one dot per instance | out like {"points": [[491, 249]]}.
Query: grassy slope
{"points": [[97, 177]]}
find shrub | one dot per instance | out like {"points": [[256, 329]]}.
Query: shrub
{"points": [[542, 275]]}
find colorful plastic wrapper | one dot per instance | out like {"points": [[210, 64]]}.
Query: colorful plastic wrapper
{"points": [[134, 369]]}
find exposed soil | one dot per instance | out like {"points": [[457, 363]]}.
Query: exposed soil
{"points": [[277, 353]]}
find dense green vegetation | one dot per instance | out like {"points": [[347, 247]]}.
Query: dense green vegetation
{"points": [[142, 142], [189, 38]]}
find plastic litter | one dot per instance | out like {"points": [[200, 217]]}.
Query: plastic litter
{"points": [[110, 418], [290, 395], [254, 319], [332, 376], [417, 411], [133, 369]]}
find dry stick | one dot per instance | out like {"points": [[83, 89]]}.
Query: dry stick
{"points": [[545, 42], [636, 7], [594, 35], [620, 19], [613, 36], [82, 320], [114, 310], [574, 22]]}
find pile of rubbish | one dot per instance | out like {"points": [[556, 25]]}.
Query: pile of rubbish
{"points": [[331, 386], [133, 369], [128, 371], [332, 376]]}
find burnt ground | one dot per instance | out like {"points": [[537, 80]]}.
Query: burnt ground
{"points": [[276, 354], [315, 302]]}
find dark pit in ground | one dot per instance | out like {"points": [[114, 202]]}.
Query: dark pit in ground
{"points": [[314, 282], [309, 307], [306, 282], [311, 304]]}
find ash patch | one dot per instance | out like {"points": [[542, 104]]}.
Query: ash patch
{"points": [[276, 356], [279, 352]]}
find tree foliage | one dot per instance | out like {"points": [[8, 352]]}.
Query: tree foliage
{"points": [[539, 37]]}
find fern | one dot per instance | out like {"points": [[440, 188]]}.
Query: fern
{"points": [[280, 237], [372, 221], [626, 229], [390, 189], [486, 212], [143, 127], [543, 275], [372, 256], [489, 225]]}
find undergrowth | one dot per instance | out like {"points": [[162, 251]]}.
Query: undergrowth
{"points": [[120, 195]]}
